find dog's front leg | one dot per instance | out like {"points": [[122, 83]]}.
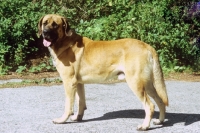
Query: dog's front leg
{"points": [[80, 98], [70, 90]]}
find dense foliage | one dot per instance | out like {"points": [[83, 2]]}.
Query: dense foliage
{"points": [[18, 38], [172, 27]]}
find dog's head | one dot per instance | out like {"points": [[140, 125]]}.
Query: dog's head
{"points": [[53, 27]]}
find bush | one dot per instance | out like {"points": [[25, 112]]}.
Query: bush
{"points": [[162, 24], [166, 25], [18, 30]]}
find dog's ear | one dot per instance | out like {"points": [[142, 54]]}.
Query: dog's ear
{"points": [[66, 27], [40, 26]]}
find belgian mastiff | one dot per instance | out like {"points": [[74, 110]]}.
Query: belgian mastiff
{"points": [[80, 60]]}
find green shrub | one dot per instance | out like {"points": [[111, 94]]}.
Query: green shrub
{"points": [[164, 24], [159, 23], [18, 30]]}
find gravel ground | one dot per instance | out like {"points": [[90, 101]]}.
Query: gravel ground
{"points": [[31, 110]]}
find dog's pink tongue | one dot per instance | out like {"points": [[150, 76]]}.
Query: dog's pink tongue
{"points": [[46, 43]]}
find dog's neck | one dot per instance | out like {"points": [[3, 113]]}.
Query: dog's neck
{"points": [[73, 42]]}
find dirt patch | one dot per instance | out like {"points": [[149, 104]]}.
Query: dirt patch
{"points": [[194, 77], [30, 75]]}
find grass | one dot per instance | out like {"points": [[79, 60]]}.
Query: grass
{"points": [[29, 82]]}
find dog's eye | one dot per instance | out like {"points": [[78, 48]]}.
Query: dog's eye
{"points": [[54, 25], [45, 23]]}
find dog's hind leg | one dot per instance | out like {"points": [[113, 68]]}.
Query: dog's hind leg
{"points": [[152, 93], [80, 99], [137, 86], [70, 90]]}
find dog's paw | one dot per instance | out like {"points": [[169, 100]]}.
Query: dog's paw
{"points": [[76, 117], [157, 122], [58, 121], [142, 128]]}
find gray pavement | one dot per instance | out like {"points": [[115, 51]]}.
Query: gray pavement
{"points": [[31, 110]]}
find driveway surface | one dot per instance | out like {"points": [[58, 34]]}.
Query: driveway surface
{"points": [[110, 109]]}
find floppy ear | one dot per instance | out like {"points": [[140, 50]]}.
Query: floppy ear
{"points": [[40, 26], [66, 27]]}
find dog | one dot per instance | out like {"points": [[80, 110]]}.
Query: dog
{"points": [[80, 60]]}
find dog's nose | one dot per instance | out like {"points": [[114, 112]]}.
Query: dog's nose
{"points": [[45, 31]]}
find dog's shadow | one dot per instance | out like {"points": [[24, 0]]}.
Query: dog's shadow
{"points": [[172, 118]]}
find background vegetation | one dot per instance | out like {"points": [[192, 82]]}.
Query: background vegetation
{"points": [[170, 26]]}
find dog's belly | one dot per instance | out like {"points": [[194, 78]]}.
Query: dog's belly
{"points": [[98, 76], [102, 79]]}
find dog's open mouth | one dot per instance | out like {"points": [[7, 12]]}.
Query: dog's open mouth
{"points": [[48, 40], [49, 37], [46, 43]]}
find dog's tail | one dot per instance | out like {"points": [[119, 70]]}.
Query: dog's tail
{"points": [[158, 79]]}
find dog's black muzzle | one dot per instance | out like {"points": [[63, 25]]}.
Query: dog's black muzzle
{"points": [[50, 35]]}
